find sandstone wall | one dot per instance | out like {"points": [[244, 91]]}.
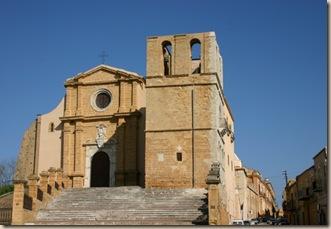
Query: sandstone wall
{"points": [[25, 160], [50, 143], [122, 122], [182, 111], [181, 54]]}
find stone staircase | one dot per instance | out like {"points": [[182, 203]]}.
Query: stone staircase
{"points": [[130, 205]]}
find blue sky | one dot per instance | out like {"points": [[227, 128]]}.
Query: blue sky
{"points": [[274, 54]]}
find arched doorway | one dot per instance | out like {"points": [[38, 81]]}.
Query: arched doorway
{"points": [[100, 167]]}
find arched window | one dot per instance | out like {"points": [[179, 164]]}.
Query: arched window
{"points": [[167, 53], [195, 56], [51, 127]]}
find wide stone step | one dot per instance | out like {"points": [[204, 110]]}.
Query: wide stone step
{"points": [[124, 206], [118, 213], [116, 222], [160, 217], [121, 216], [127, 205]]}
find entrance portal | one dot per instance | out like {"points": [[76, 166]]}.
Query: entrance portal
{"points": [[100, 167]]}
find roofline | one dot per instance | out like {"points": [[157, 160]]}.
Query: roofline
{"points": [[108, 68], [228, 106], [212, 33], [306, 170], [61, 103], [240, 168], [289, 185], [322, 150]]}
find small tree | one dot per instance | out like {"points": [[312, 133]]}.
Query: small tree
{"points": [[2, 173], [7, 171]]}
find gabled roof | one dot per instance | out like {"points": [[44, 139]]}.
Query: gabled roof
{"points": [[107, 68], [324, 150]]}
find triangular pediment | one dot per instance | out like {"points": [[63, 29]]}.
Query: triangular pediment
{"points": [[103, 73]]}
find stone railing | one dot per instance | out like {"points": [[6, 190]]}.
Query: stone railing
{"points": [[29, 196], [5, 216], [217, 214]]}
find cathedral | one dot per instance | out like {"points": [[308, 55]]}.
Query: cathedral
{"points": [[114, 127], [157, 149]]}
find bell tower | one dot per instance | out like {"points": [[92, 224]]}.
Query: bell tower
{"points": [[184, 100], [184, 54]]}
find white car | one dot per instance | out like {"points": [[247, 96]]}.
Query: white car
{"points": [[237, 222]]}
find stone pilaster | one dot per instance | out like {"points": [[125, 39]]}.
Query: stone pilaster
{"points": [[131, 151], [18, 201], [125, 96], [79, 101], [66, 147], [134, 86], [37, 141], [79, 159], [69, 102], [120, 167]]}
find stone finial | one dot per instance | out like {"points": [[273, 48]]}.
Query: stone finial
{"points": [[33, 177], [59, 170], [52, 169], [44, 174], [19, 181], [213, 176]]}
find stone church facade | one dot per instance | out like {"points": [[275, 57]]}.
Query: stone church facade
{"points": [[95, 132], [116, 128]]}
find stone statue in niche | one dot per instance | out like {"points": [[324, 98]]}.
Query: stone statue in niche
{"points": [[101, 135]]}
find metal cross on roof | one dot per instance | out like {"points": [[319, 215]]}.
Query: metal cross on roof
{"points": [[103, 56]]}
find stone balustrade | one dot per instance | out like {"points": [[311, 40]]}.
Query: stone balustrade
{"points": [[29, 196]]}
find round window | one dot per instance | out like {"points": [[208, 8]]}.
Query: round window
{"points": [[102, 100]]}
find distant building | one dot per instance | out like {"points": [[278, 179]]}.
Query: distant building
{"points": [[290, 207], [320, 185], [305, 198], [255, 195]]}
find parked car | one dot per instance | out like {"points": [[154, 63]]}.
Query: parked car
{"points": [[272, 221], [247, 222], [282, 221], [265, 219], [254, 221], [237, 222]]}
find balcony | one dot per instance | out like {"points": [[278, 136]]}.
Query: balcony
{"points": [[305, 194], [289, 206], [317, 187]]}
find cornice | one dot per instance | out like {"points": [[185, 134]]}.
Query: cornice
{"points": [[77, 83], [99, 117]]}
